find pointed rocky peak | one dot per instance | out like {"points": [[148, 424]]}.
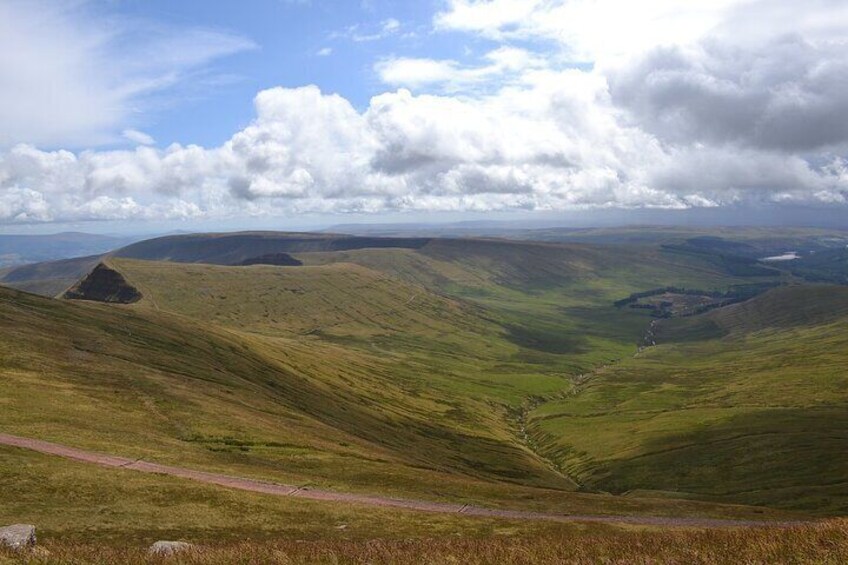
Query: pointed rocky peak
{"points": [[104, 284]]}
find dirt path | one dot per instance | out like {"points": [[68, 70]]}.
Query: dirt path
{"points": [[381, 501]]}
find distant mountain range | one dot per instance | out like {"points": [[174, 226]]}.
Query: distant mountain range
{"points": [[22, 249]]}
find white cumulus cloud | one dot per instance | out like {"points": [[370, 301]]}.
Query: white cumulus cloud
{"points": [[685, 106]]}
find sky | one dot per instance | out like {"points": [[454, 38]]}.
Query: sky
{"points": [[121, 114]]}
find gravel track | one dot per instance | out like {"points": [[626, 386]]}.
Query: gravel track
{"points": [[276, 489]]}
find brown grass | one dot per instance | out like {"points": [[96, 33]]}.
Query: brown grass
{"points": [[825, 542]]}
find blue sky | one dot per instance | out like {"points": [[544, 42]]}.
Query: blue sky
{"points": [[128, 114], [333, 44], [289, 37]]}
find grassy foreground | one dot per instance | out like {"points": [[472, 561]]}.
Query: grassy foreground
{"points": [[825, 543]]}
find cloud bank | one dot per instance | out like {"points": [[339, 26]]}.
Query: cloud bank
{"points": [[702, 107]]}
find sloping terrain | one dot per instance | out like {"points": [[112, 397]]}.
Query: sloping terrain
{"points": [[334, 300], [143, 384], [828, 265], [785, 308], [482, 372], [150, 383], [743, 241], [751, 241], [78, 502], [555, 301], [747, 403], [50, 278], [476, 266], [452, 265]]}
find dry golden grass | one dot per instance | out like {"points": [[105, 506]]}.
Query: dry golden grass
{"points": [[825, 542]]}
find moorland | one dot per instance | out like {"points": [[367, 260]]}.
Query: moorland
{"points": [[620, 373]]}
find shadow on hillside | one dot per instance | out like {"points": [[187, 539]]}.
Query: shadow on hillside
{"points": [[789, 458]]}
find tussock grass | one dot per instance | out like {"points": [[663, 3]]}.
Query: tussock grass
{"points": [[824, 543]]}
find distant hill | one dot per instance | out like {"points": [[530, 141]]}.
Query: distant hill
{"points": [[724, 255], [827, 265], [780, 309], [785, 308], [236, 248], [50, 278], [760, 240], [437, 260], [21, 249]]}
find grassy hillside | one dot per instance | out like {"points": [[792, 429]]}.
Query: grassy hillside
{"points": [[465, 263], [489, 319], [73, 502], [481, 371], [784, 308], [534, 327], [473, 265], [828, 265], [554, 301], [50, 278], [133, 381], [335, 300], [154, 385], [764, 240], [746, 403]]}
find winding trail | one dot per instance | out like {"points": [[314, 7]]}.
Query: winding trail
{"points": [[105, 460]]}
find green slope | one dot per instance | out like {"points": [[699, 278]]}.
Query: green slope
{"points": [[754, 411], [554, 301], [412, 370], [133, 381], [81, 503], [155, 385], [340, 300], [50, 278]]}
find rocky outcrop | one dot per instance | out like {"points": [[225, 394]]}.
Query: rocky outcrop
{"points": [[165, 548], [18, 537], [104, 284]]}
